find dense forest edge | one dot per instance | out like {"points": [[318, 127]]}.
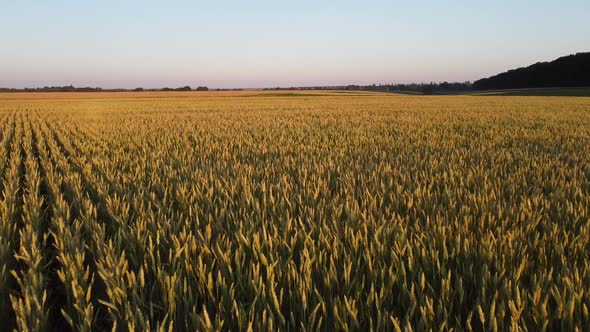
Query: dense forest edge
{"points": [[568, 71]]}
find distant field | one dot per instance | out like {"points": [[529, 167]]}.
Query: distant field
{"points": [[312, 93], [174, 94], [345, 211]]}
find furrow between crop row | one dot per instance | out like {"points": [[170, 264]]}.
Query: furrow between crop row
{"points": [[8, 214]]}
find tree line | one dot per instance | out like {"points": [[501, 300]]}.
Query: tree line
{"points": [[422, 88], [568, 71], [71, 88]]}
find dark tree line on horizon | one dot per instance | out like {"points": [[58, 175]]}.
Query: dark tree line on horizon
{"points": [[71, 88], [567, 71], [424, 88]]}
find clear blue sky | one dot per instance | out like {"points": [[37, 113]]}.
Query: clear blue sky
{"points": [[279, 43]]}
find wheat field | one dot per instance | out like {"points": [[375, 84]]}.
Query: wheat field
{"points": [[294, 211]]}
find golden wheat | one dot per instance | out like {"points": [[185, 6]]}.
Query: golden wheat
{"points": [[303, 211]]}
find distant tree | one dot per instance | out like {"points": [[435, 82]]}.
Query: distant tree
{"points": [[202, 88], [138, 90], [428, 89]]}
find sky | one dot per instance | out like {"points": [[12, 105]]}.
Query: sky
{"points": [[249, 44]]}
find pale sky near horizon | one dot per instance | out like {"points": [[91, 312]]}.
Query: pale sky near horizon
{"points": [[225, 44]]}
